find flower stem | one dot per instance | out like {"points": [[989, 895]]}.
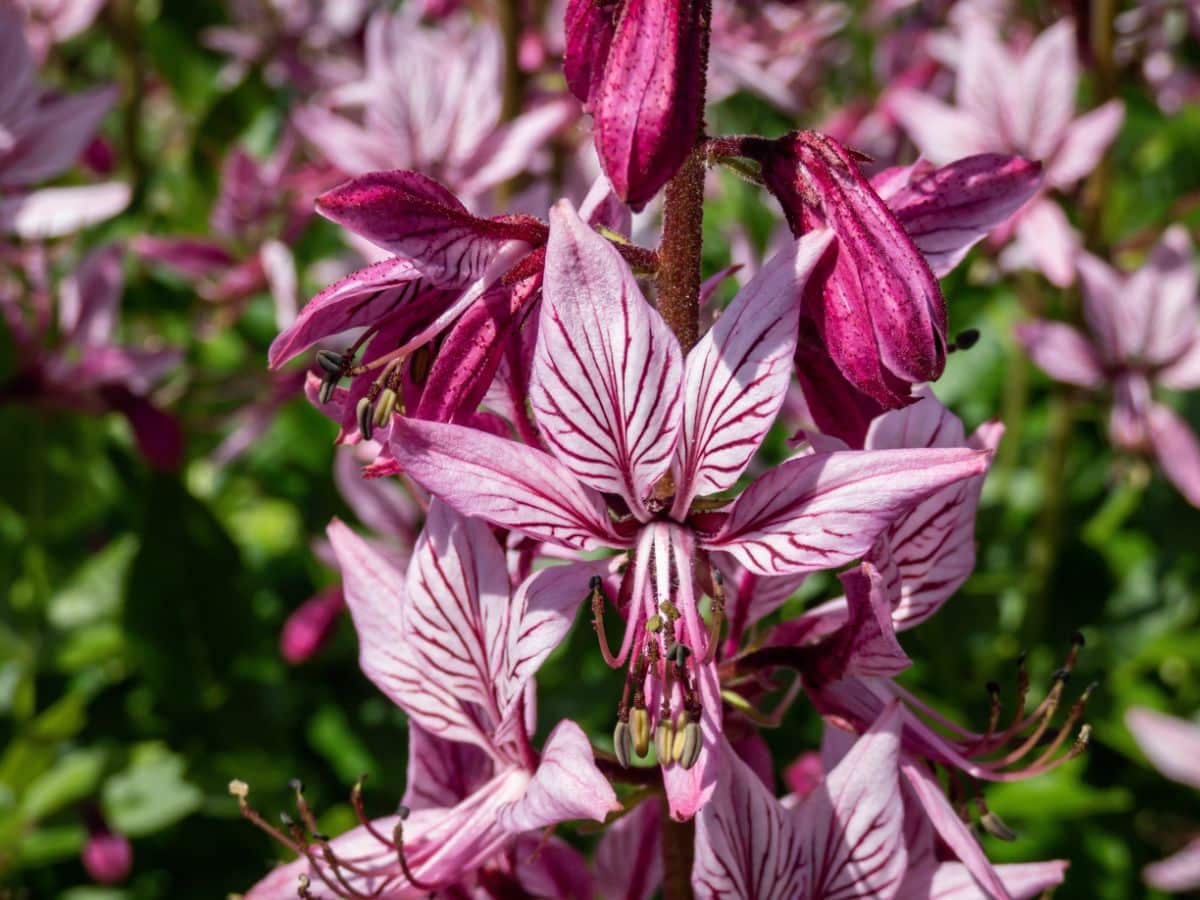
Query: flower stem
{"points": [[678, 850], [679, 264]]}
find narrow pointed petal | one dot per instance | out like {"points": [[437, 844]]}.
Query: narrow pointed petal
{"points": [[507, 151], [191, 257], [54, 136], [441, 773], [1047, 237], [648, 105], [951, 829], [566, 786], [1061, 352], [470, 353], [1084, 144], [552, 869], [375, 592], [347, 145], [362, 298], [1162, 302], [380, 504], [853, 823], [1177, 873], [947, 211], [1046, 83], [606, 369], [941, 132], [932, 548], [506, 483], [628, 860], [589, 28], [1023, 881], [89, 298], [736, 377], [824, 510], [1105, 306], [413, 216], [55, 212], [868, 644], [1170, 743], [747, 845]]}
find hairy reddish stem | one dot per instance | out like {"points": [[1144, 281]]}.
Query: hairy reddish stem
{"points": [[679, 256]]}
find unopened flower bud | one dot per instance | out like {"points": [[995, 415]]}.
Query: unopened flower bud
{"points": [[689, 751], [639, 723], [107, 856], [308, 629], [622, 744]]}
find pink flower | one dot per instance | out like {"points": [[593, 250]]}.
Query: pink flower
{"points": [[85, 369], [1021, 103], [1145, 331], [49, 22], [638, 66], [107, 855], [431, 100], [620, 410], [457, 650], [261, 209], [1173, 746], [42, 134]]}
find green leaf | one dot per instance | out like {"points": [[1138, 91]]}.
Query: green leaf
{"points": [[72, 778], [94, 591], [152, 794]]}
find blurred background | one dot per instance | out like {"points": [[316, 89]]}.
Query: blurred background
{"points": [[163, 495]]}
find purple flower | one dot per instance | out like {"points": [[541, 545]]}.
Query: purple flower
{"points": [[49, 22], [42, 134], [1173, 746], [85, 369], [634, 428], [1144, 332], [1020, 103], [431, 101], [107, 855], [454, 647]]}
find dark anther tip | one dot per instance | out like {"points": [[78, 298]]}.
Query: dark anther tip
{"points": [[595, 582], [966, 339], [718, 577], [402, 811], [296, 785], [1078, 640], [1021, 657], [1063, 675], [319, 836], [993, 688]]}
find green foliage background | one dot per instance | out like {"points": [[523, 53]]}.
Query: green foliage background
{"points": [[139, 662]]}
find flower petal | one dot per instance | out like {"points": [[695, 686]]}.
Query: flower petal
{"points": [[747, 845], [506, 483], [441, 773], [54, 136], [853, 823], [606, 369], [413, 216], [58, 211], [589, 32], [946, 211], [566, 786], [1177, 873], [1023, 881], [628, 860], [1177, 451], [1170, 743], [1084, 144], [736, 377], [824, 510], [1045, 84], [1061, 352]]}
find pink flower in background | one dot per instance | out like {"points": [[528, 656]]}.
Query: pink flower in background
{"points": [[770, 49], [49, 22], [620, 410], [260, 211], [457, 650], [1173, 746], [85, 369], [638, 68], [1023, 103], [107, 855], [431, 100], [42, 135], [303, 44], [1144, 332]]}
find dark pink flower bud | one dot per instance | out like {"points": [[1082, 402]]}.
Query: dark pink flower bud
{"points": [[640, 67], [107, 856], [309, 627], [878, 308]]}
